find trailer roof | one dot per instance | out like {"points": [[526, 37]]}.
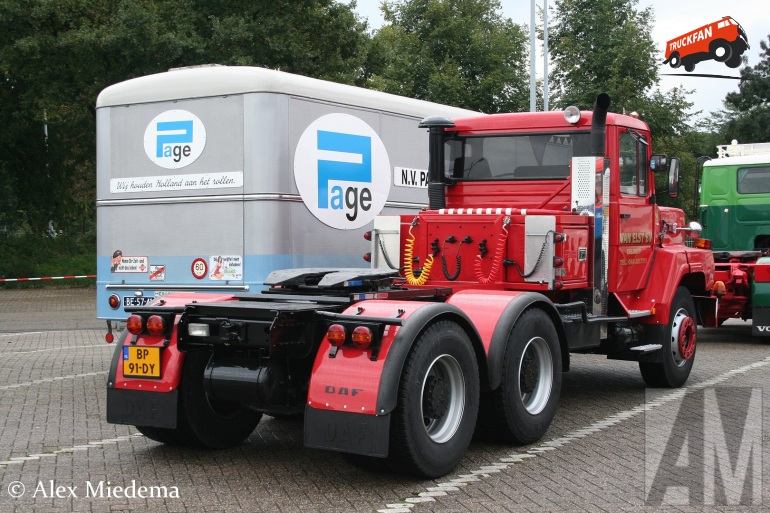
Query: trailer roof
{"points": [[214, 80]]}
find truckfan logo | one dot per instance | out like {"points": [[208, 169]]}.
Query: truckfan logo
{"points": [[342, 171], [723, 41], [174, 139]]}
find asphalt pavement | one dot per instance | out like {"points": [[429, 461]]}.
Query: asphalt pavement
{"points": [[613, 446]]}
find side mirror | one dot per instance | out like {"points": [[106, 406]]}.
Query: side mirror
{"points": [[673, 177], [659, 163]]}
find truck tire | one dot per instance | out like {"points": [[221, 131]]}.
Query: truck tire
{"points": [[720, 50], [675, 61], [437, 408], [521, 409], [679, 344], [213, 424]]}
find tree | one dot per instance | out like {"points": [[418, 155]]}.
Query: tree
{"points": [[56, 56], [747, 118], [601, 46], [456, 52]]}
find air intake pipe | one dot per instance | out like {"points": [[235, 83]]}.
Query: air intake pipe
{"points": [[436, 182], [599, 126]]}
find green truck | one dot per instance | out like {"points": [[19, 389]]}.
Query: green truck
{"points": [[734, 204]]}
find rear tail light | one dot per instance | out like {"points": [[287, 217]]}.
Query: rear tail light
{"points": [[367, 257], [114, 301], [156, 325], [368, 235], [134, 324], [336, 335], [361, 337]]}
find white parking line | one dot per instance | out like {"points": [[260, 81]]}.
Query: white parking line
{"points": [[51, 380], [12, 353], [452, 485], [83, 447]]}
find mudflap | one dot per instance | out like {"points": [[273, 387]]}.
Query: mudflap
{"points": [[353, 433], [138, 408], [760, 323]]}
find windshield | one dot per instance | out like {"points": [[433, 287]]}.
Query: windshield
{"points": [[514, 157]]}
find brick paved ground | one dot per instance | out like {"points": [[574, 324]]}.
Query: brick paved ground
{"points": [[52, 430]]}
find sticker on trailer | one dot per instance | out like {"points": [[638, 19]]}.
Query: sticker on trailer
{"points": [[131, 264], [226, 267], [176, 182], [199, 268], [157, 273], [342, 171], [407, 177], [174, 139]]}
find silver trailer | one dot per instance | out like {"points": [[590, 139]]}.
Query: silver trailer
{"points": [[209, 178]]}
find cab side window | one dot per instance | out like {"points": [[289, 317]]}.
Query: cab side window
{"points": [[633, 166]]}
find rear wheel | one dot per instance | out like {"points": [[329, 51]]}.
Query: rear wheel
{"points": [[521, 409], [213, 424], [678, 352], [675, 61], [437, 403]]}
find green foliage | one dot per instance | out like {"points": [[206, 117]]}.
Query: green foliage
{"points": [[33, 256], [456, 52], [747, 117], [602, 46]]}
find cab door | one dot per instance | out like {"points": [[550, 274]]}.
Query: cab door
{"points": [[631, 260]]}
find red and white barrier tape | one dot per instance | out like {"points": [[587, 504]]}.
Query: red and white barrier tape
{"points": [[46, 278]]}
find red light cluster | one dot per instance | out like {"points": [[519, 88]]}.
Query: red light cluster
{"points": [[361, 336], [155, 325]]}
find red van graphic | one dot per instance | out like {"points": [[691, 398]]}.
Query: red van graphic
{"points": [[723, 40]]}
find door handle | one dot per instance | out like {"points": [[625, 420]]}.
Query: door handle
{"points": [[625, 216]]}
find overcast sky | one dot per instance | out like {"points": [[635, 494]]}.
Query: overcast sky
{"points": [[672, 19]]}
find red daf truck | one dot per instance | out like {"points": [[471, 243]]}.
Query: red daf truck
{"points": [[542, 238]]}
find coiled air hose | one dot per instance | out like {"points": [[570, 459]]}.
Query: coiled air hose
{"points": [[408, 272], [497, 261]]}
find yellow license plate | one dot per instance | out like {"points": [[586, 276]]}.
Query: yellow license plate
{"points": [[143, 362]]}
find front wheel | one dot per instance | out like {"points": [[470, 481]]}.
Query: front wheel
{"points": [[521, 409], [720, 50], [437, 405], [678, 351]]}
